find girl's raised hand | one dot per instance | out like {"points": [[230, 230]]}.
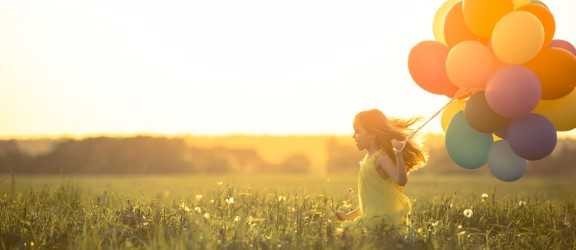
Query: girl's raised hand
{"points": [[398, 145]]}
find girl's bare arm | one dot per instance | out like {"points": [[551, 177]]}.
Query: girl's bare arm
{"points": [[396, 170]]}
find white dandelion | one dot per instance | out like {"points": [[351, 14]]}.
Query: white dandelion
{"points": [[468, 213], [187, 209], [521, 203], [207, 216], [230, 200]]}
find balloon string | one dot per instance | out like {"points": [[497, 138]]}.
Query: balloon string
{"points": [[429, 119]]}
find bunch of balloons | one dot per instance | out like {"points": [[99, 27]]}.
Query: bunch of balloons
{"points": [[518, 82]]}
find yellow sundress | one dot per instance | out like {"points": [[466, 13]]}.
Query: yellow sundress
{"points": [[380, 199]]}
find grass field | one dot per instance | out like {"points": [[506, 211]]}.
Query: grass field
{"points": [[278, 212]]}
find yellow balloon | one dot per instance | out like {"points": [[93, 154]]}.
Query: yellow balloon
{"points": [[440, 19], [520, 3], [453, 108], [559, 111], [518, 37], [496, 138]]}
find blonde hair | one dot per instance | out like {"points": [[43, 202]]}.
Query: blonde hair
{"points": [[384, 130]]}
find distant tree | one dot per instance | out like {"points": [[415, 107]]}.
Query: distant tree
{"points": [[341, 157], [295, 163]]}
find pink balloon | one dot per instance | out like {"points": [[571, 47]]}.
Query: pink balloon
{"points": [[564, 45], [513, 91]]}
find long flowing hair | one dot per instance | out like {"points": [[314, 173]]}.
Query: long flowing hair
{"points": [[384, 130]]}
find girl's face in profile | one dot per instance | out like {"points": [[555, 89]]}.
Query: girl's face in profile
{"points": [[362, 138]]}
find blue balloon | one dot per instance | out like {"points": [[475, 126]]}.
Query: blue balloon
{"points": [[465, 145], [504, 163]]}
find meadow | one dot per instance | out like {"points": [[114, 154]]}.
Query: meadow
{"points": [[278, 212]]}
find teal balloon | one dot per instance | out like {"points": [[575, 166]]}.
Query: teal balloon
{"points": [[465, 145], [504, 163]]}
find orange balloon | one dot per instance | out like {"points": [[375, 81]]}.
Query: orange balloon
{"points": [[426, 64], [556, 69], [455, 29], [470, 64], [482, 15], [546, 18]]}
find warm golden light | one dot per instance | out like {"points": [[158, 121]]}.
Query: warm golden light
{"points": [[193, 67]]}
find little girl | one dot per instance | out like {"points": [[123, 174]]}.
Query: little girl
{"points": [[383, 171]]}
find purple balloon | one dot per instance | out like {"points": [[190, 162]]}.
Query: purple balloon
{"points": [[532, 137], [564, 45], [513, 91]]}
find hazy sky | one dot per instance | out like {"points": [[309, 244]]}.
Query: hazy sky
{"points": [[81, 67]]}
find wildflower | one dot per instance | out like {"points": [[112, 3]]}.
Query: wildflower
{"points": [[187, 209], [207, 216], [230, 200], [198, 197], [521, 203], [346, 204], [281, 198], [435, 223], [198, 210], [212, 201], [484, 196], [468, 213], [251, 220], [184, 207], [237, 218], [566, 222], [459, 226]]}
